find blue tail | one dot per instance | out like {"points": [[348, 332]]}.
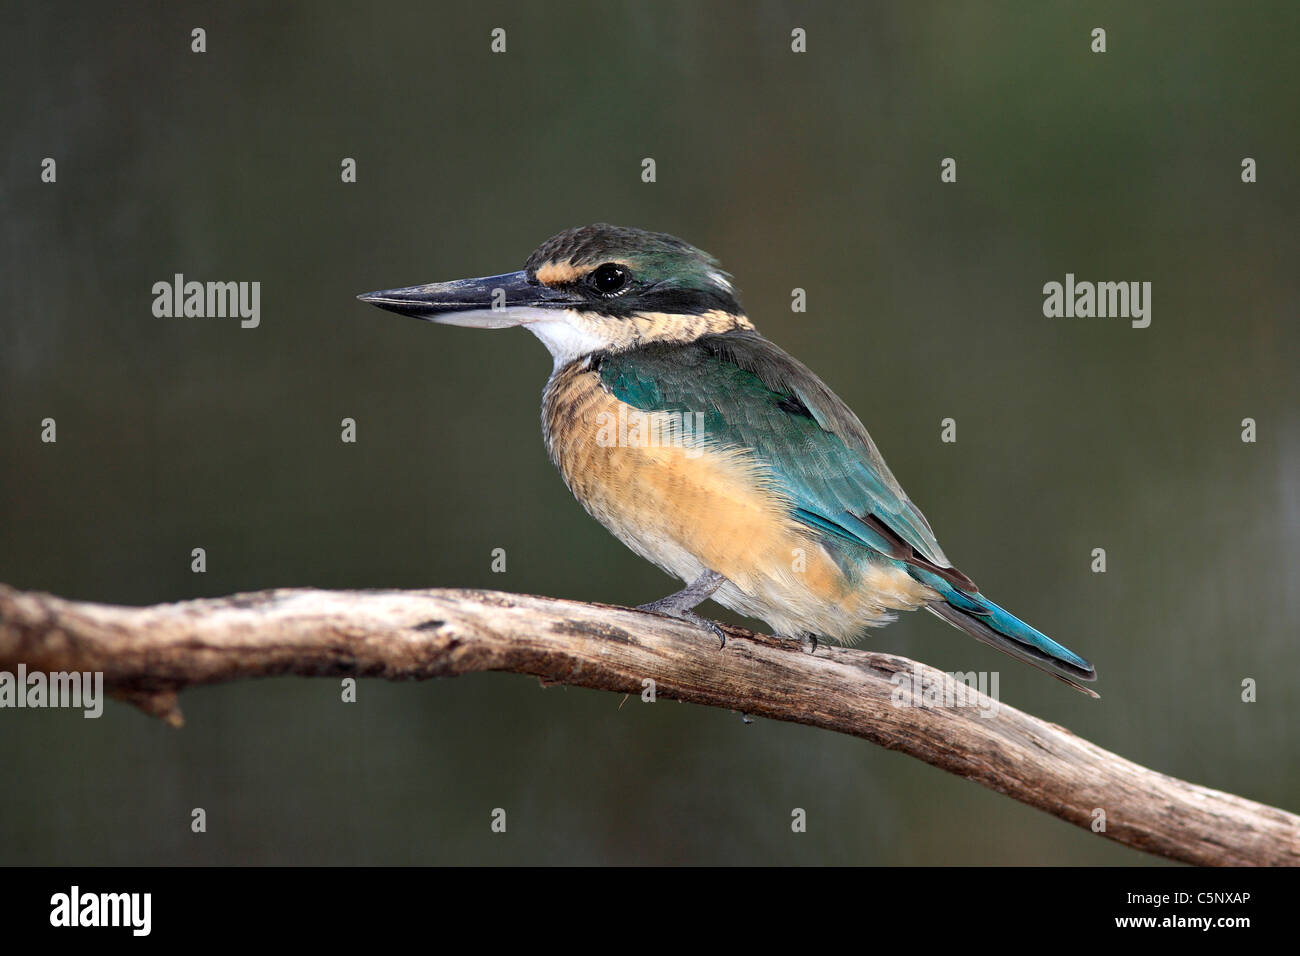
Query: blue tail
{"points": [[985, 621]]}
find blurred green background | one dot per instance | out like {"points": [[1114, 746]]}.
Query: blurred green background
{"points": [[818, 171]]}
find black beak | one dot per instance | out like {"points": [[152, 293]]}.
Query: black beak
{"points": [[493, 302]]}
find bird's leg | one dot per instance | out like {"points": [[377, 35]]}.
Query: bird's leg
{"points": [[681, 605], [689, 597]]}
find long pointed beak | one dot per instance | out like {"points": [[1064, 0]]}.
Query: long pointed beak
{"points": [[493, 302]]}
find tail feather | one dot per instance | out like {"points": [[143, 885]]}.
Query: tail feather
{"points": [[986, 622]]}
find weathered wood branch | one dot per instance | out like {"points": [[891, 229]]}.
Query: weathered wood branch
{"points": [[149, 654]]}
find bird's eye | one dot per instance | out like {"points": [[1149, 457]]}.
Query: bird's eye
{"points": [[609, 278]]}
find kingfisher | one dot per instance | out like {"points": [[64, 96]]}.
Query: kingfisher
{"points": [[711, 452]]}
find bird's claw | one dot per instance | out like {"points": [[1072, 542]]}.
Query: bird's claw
{"points": [[680, 605], [668, 610], [713, 626]]}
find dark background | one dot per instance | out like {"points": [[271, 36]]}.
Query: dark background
{"points": [[818, 170]]}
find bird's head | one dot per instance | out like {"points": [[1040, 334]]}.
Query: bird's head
{"points": [[592, 289]]}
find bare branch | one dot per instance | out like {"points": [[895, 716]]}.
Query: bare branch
{"points": [[149, 654]]}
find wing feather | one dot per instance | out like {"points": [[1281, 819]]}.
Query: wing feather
{"points": [[753, 395]]}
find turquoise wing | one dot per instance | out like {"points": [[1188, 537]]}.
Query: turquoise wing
{"points": [[750, 394]]}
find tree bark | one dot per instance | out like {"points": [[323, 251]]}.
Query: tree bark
{"points": [[149, 654]]}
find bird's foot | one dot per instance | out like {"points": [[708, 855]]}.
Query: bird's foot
{"points": [[656, 607], [681, 604]]}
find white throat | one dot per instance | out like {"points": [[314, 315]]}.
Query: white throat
{"points": [[563, 337]]}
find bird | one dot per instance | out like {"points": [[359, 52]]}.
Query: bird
{"points": [[714, 454]]}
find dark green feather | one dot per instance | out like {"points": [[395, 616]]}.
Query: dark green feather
{"points": [[754, 396]]}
